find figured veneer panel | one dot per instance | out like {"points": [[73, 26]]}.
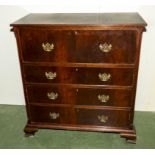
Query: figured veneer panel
{"points": [[77, 75], [78, 46], [39, 94], [33, 50], [56, 115], [116, 97], [88, 51], [78, 96], [115, 118]]}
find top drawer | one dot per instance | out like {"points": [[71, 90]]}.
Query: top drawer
{"points": [[104, 47], [83, 46], [46, 45]]}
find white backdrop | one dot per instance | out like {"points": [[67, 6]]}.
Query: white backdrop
{"points": [[11, 91]]}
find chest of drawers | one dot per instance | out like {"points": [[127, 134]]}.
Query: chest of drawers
{"points": [[80, 71]]}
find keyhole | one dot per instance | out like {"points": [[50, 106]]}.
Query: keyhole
{"points": [[75, 32]]}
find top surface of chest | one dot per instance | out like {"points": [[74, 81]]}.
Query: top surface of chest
{"points": [[90, 19]]}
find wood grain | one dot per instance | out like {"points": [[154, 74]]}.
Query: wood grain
{"points": [[77, 60]]}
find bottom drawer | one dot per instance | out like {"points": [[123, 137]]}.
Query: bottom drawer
{"points": [[113, 118], [58, 115], [79, 116]]}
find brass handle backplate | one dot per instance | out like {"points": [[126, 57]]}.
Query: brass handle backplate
{"points": [[103, 98], [50, 75], [54, 115], [105, 47], [104, 76], [52, 95], [102, 118], [47, 47]]}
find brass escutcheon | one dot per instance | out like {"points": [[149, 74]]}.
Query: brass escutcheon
{"points": [[102, 118], [50, 75], [104, 76], [52, 95], [105, 47], [54, 115], [103, 98], [47, 47]]}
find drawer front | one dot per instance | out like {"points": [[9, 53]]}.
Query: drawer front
{"points": [[45, 45], [104, 97], [105, 76], [114, 118], [78, 96], [104, 47], [57, 115], [94, 76], [78, 46], [35, 74], [50, 94]]}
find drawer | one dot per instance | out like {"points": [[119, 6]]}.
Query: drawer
{"points": [[104, 97], [78, 46], [112, 118], [43, 74], [92, 76], [108, 46], [58, 115], [45, 45], [105, 76], [50, 94], [78, 96]]}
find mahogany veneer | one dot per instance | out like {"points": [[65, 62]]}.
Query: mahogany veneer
{"points": [[80, 71], [89, 75]]}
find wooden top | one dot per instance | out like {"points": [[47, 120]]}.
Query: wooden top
{"points": [[90, 19]]}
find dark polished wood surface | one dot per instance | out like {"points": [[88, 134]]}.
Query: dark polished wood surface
{"points": [[32, 45], [70, 43], [76, 85], [43, 114], [81, 19], [92, 117], [88, 51], [79, 116], [78, 96], [79, 75]]}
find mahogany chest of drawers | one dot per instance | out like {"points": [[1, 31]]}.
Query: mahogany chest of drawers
{"points": [[80, 71]]}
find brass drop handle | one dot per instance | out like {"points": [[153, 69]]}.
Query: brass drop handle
{"points": [[104, 76], [52, 95], [47, 47], [103, 98], [50, 75], [105, 47], [102, 118], [54, 115]]}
